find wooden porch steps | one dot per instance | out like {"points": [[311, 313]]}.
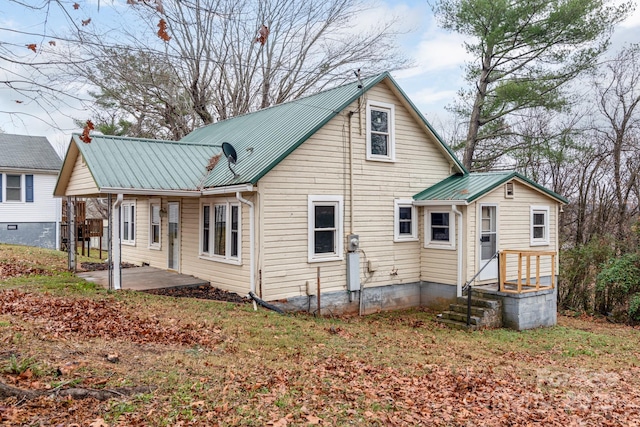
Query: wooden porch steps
{"points": [[486, 313]]}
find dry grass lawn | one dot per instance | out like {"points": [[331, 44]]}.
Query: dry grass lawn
{"points": [[210, 363]]}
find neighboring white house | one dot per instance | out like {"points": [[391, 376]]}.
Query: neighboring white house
{"points": [[29, 214]]}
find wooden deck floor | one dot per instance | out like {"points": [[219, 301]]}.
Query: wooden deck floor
{"points": [[144, 278]]}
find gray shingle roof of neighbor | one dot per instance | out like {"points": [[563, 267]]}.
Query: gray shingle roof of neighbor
{"points": [[28, 152]]}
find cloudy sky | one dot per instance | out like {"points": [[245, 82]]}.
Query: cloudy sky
{"points": [[431, 84]]}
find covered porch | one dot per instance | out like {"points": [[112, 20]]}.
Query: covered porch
{"points": [[144, 279]]}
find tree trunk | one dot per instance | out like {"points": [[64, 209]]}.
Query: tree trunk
{"points": [[7, 391], [476, 113]]}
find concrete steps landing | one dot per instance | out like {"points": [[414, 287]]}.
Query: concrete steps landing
{"points": [[486, 313]]}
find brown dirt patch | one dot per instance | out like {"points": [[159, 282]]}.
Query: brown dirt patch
{"points": [[200, 292]]}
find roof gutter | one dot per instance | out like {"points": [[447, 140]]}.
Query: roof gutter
{"points": [[17, 170], [230, 189], [227, 189], [440, 202], [150, 192]]}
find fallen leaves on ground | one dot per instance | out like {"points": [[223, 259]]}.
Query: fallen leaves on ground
{"points": [[109, 319]]}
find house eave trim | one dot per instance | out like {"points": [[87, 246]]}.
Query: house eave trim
{"points": [[228, 189], [150, 192], [440, 202], [29, 171]]}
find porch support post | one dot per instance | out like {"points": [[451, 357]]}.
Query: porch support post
{"points": [[71, 226], [116, 270]]}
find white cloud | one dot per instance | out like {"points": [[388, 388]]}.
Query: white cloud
{"points": [[431, 95], [437, 51]]}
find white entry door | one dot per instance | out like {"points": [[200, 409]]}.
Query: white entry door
{"points": [[174, 236], [488, 242]]}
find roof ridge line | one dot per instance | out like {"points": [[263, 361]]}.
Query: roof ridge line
{"points": [[163, 141], [298, 100]]}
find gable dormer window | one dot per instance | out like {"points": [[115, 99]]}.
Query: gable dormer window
{"points": [[508, 190], [380, 131]]}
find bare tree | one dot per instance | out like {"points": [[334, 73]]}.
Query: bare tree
{"points": [[216, 65], [617, 91], [206, 65]]}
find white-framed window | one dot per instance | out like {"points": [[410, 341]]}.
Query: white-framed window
{"points": [[16, 188], [13, 188], [405, 221], [155, 223], [220, 230], [325, 215], [380, 131], [508, 190], [128, 222], [539, 225], [439, 228]]}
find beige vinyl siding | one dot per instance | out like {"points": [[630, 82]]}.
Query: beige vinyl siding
{"points": [[230, 277], [320, 166], [514, 226], [81, 182], [440, 265], [141, 253]]}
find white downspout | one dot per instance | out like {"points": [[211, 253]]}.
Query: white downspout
{"points": [[115, 238], [252, 274], [458, 213]]}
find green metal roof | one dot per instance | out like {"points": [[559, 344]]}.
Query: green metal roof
{"points": [[264, 138], [466, 188], [135, 163]]}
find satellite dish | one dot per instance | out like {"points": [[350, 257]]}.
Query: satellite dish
{"points": [[231, 155], [229, 152]]}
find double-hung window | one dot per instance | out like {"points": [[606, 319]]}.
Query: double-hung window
{"points": [[16, 188], [439, 229], [128, 228], [539, 225], [220, 234], [325, 223], [154, 224], [380, 131], [405, 221]]}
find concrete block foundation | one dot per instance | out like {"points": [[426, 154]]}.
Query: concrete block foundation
{"points": [[519, 311], [42, 234], [526, 310]]}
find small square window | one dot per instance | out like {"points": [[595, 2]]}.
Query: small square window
{"points": [[539, 225], [405, 226], [439, 229]]}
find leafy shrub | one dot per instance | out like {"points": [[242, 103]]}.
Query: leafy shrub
{"points": [[579, 268], [634, 307], [618, 284]]}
